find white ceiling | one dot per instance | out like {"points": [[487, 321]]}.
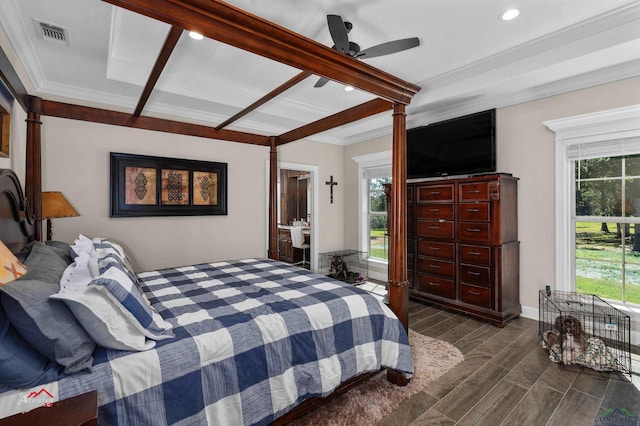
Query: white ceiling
{"points": [[468, 60]]}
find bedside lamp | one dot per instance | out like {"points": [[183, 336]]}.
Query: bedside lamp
{"points": [[55, 205]]}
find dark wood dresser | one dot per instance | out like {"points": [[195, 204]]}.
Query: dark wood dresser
{"points": [[463, 248]]}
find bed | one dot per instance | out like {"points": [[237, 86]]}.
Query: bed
{"points": [[233, 342], [225, 23]]}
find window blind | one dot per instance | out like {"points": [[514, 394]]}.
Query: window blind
{"points": [[611, 148], [377, 172]]}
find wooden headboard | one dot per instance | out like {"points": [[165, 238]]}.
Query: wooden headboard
{"points": [[17, 223]]}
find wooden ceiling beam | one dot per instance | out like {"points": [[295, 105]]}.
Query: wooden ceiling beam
{"points": [[103, 116], [230, 25], [275, 92], [341, 118], [169, 44]]}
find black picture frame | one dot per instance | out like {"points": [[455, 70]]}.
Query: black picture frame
{"points": [[143, 185]]}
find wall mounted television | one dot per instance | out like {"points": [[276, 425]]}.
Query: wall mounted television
{"points": [[459, 146]]}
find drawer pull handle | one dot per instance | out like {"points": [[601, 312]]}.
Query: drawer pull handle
{"points": [[434, 266], [473, 230], [434, 210], [435, 192], [474, 253], [475, 293], [474, 191], [473, 273], [434, 227], [434, 284], [473, 210], [434, 248]]}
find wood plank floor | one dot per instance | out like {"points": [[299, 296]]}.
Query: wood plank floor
{"points": [[508, 379]]}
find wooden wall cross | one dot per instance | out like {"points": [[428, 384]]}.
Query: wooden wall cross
{"points": [[331, 184]]}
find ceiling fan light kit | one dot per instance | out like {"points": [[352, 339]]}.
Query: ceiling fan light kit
{"points": [[339, 30]]}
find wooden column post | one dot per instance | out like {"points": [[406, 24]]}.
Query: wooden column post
{"points": [[33, 177], [398, 284], [274, 253]]}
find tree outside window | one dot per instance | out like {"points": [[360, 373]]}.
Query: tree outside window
{"points": [[607, 227], [377, 215]]}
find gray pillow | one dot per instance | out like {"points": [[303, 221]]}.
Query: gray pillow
{"points": [[60, 248], [47, 324]]}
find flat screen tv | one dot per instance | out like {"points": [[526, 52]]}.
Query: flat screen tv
{"points": [[459, 146]]}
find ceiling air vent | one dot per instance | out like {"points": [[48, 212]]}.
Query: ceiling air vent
{"points": [[52, 32]]}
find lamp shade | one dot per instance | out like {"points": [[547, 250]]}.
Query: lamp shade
{"points": [[55, 205]]}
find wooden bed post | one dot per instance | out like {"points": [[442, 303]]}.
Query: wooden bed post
{"points": [[398, 284], [274, 253], [33, 169]]}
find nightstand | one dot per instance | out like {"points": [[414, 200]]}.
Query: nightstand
{"points": [[80, 410]]}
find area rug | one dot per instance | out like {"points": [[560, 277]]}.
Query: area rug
{"points": [[374, 399]]}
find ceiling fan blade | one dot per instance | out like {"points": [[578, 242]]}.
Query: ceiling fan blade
{"points": [[321, 82], [338, 31], [388, 48]]}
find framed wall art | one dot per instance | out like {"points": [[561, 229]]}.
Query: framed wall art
{"points": [[143, 185]]}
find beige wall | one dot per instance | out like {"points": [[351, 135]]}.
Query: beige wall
{"points": [[76, 162], [328, 159], [525, 148], [376, 269]]}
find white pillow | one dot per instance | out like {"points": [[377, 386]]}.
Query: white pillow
{"points": [[79, 273], [82, 244], [103, 321]]}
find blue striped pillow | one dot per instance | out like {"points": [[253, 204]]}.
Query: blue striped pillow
{"points": [[114, 280]]}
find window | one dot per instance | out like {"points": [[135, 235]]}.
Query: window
{"points": [[607, 227], [597, 189], [374, 171], [377, 219]]}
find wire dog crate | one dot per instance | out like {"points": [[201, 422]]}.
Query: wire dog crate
{"points": [[582, 329], [350, 266]]}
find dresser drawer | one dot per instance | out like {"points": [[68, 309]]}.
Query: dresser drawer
{"points": [[476, 191], [478, 275], [475, 295], [440, 229], [471, 231], [435, 193], [442, 268], [436, 285], [476, 255], [436, 249], [474, 212], [435, 211]]}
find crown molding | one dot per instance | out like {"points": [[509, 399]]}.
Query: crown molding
{"points": [[612, 20], [21, 44]]}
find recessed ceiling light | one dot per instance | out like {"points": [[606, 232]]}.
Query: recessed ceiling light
{"points": [[510, 14], [348, 88], [196, 36]]}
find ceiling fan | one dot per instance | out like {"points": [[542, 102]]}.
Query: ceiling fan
{"points": [[340, 29]]}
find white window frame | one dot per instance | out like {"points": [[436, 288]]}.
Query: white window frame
{"points": [[600, 134], [378, 159]]}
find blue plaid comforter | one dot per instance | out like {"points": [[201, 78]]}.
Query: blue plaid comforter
{"points": [[254, 338]]}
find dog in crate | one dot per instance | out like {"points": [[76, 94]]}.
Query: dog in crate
{"points": [[339, 268], [566, 341]]}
